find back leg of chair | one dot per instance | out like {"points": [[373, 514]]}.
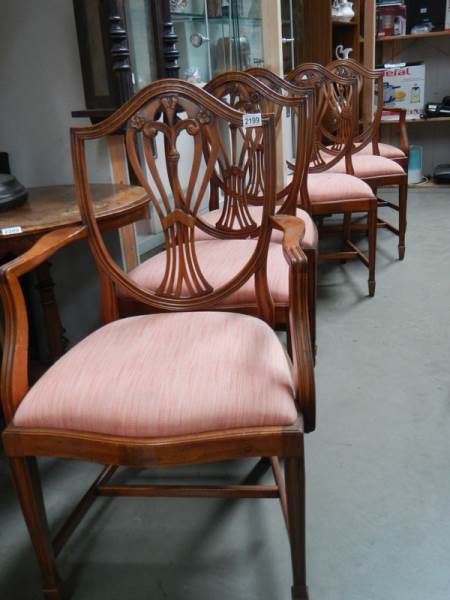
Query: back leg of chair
{"points": [[26, 479], [372, 231], [346, 232], [403, 200], [295, 491]]}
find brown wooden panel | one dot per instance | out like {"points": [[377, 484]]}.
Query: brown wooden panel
{"points": [[317, 31]]}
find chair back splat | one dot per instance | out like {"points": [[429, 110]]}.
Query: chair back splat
{"points": [[336, 114], [248, 94], [351, 69], [181, 143]]}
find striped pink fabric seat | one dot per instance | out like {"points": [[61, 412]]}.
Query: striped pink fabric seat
{"points": [[220, 261], [328, 186], [310, 240], [166, 375], [368, 165], [386, 150]]}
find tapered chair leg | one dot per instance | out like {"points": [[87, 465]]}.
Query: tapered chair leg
{"points": [[26, 479], [295, 491], [403, 200], [372, 227]]}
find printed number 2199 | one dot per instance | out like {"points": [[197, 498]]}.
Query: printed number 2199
{"points": [[251, 120]]}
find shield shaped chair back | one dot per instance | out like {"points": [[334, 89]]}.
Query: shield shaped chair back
{"points": [[175, 144], [336, 114], [351, 69], [246, 93], [301, 160]]}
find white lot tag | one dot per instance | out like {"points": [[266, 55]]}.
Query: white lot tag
{"points": [[251, 120], [10, 230]]}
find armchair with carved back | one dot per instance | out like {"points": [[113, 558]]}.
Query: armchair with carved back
{"points": [[189, 383], [376, 163], [368, 137], [243, 92], [237, 221], [324, 192]]}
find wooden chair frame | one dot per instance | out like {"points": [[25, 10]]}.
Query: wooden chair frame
{"points": [[327, 87], [242, 91], [22, 445], [371, 135], [251, 95]]}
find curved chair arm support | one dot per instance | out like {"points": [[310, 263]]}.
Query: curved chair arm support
{"points": [[14, 373], [302, 354], [401, 112], [44, 248]]}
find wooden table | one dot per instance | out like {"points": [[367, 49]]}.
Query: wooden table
{"points": [[53, 207]]}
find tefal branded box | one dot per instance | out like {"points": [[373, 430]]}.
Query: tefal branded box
{"points": [[403, 87]]}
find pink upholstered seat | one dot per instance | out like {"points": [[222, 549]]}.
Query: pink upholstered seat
{"points": [[368, 165], [220, 261], [329, 186], [310, 240], [386, 150], [166, 375]]}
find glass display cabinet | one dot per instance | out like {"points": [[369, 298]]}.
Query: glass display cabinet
{"points": [[216, 36], [125, 44]]}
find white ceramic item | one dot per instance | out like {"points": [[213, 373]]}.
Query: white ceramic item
{"points": [[343, 53], [336, 9], [346, 10]]}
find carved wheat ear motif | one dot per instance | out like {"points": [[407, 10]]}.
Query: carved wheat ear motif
{"points": [[235, 208], [183, 273], [175, 205], [340, 99], [169, 104], [255, 178]]}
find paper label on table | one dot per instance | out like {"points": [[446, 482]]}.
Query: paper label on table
{"points": [[10, 230], [251, 120]]}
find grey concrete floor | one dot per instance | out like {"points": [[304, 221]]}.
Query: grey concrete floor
{"points": [[378, 466]]}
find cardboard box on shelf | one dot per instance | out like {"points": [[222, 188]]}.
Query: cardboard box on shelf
{"points": [[404, 87], [391, 19]]}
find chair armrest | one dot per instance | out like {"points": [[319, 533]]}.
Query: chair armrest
{"points": [[47, 245], [401, 112], [14, 373], [300, 335]]}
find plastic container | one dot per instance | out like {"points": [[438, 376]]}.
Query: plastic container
{"points": [[415, 174]]}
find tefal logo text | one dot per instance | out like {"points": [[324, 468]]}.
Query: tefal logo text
{"points": [[397, 72]]}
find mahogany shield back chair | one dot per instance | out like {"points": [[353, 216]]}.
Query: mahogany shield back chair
{"points": [[192, 384], [376, 163], [368, 141], [235, 226], [328, 192], [243, 92]]}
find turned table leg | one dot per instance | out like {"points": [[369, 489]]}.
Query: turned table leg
{"points": [[57, 342]]}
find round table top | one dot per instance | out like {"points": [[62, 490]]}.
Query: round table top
{"points": [[55, 206]]}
